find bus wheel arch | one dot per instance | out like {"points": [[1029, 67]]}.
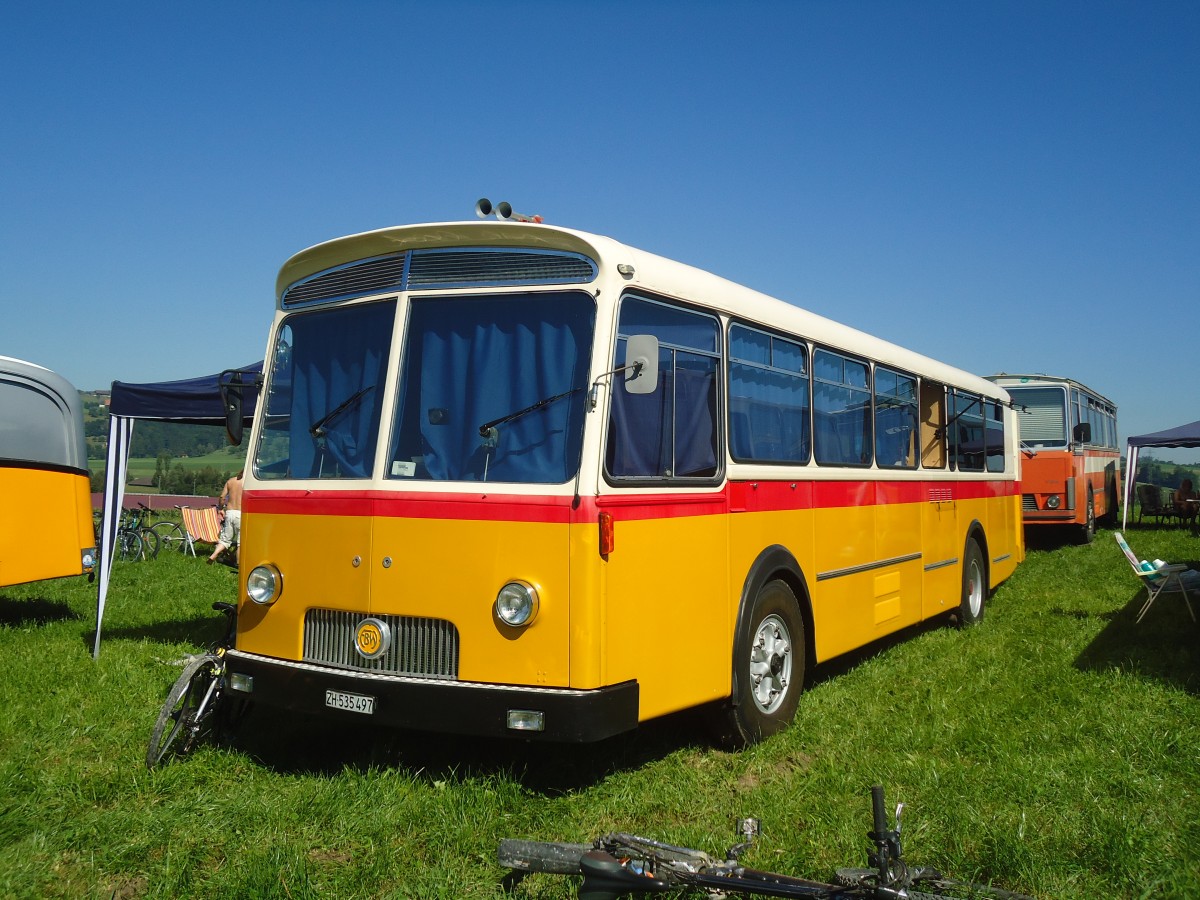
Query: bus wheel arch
{"points": [[772, 644], [975, 579]]}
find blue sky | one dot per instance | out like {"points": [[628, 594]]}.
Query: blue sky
{"points": [[1006, 186]]}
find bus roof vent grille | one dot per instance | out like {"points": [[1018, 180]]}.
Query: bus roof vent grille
{"points": [[453, 268], [483, 267], [356, 279]]}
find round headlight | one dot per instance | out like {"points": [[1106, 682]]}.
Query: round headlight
{"points": [[1053, 501], [517, 603], [264, 584]]}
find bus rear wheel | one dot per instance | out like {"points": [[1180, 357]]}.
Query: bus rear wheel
{"points": [[768, 668], [1087, 531], [974, 586]]}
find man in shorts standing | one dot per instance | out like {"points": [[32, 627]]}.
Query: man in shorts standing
{"points": [[231, 528]]}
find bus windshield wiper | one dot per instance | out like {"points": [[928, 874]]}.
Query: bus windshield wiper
{"points": [[486, 429], [317, 429]]}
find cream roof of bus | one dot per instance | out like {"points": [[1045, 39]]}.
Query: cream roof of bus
{"points": [[652, 272], [1006, 380]]}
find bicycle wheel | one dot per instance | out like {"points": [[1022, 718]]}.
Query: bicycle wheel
{"points": [[933, 887], [171, 538], [150, 543], [188, 712], [129, 545], [949, 889], [541, 856]]}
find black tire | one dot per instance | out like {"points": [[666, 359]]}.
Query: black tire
{"points": [[150, 543], [171, 537], [949, 889], [768, 667], [1086, 532], [541, 856], [129, 545], [974, 586], [181, 723], [938, 888]]}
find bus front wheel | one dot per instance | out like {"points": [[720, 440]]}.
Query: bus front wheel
{"points": [[768, 660]]}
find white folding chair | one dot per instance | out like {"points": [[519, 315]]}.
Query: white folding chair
{"points": [[1157, 578]]}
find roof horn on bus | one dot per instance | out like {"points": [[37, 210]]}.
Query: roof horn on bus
{"points": [[503, 210]]}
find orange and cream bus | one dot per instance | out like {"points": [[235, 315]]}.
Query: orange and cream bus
{"points": [[517, 479], [1070, 467], [46, 526]]}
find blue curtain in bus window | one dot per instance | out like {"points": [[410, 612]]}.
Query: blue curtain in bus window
{"points": [[470, 361], [768, 398], [841, 410], [895, 419], [337, 363], [672, 432]]}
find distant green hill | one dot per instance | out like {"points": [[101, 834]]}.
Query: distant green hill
{"points": [[194, 459]]}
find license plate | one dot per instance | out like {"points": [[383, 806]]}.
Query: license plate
{"points": [[350, 702]]}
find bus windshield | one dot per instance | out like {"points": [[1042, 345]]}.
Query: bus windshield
{"points": [[1042, 412], [325, 393], [493, 388]]}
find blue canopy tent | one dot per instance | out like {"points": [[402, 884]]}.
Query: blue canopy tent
{"points": [[192, 401], [1180, 436]]}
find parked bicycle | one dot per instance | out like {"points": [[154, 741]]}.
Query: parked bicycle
{"points": [[127, 541], [171, 536], [618, 865], [134, 522], [196, 707]]}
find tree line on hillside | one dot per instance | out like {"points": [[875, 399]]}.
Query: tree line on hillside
{"points": [[150, 438], [1166, 474]]}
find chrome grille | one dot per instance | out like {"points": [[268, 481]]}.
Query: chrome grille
{"points": [[477, 267], [423, 647], [1028, 502]]}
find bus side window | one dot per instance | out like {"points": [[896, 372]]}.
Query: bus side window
{"points": [[895, 419], [933, 416], [841, 410], [672, 432]]}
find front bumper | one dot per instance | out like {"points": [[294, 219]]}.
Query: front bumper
{"points": [[450, 707]]}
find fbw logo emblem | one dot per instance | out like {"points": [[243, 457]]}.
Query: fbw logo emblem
{"points": [[372, 638]]}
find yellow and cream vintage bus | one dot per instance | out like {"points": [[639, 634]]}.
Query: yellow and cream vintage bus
{"points": [[515, 479], [46, 526]]}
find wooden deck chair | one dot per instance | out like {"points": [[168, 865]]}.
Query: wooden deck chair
{"points": [[1160, 577], [201, 524]]}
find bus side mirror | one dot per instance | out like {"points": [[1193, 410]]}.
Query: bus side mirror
{"points": [[641, 364], [231, 399], [1083, 433]]}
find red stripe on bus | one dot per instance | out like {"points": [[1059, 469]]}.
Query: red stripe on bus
{"points": [[735, 497]]}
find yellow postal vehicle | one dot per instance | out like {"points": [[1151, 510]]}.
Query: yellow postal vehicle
{"points": [[507, 478]]}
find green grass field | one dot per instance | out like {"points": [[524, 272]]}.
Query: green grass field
{"points": [[1055, 748]]}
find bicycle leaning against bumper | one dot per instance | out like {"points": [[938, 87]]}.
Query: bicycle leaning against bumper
{"points": [[196, 706], [619, 865]]}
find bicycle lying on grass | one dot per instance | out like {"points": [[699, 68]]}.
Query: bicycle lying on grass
{"points": [[618, 865], [196, 707]]}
